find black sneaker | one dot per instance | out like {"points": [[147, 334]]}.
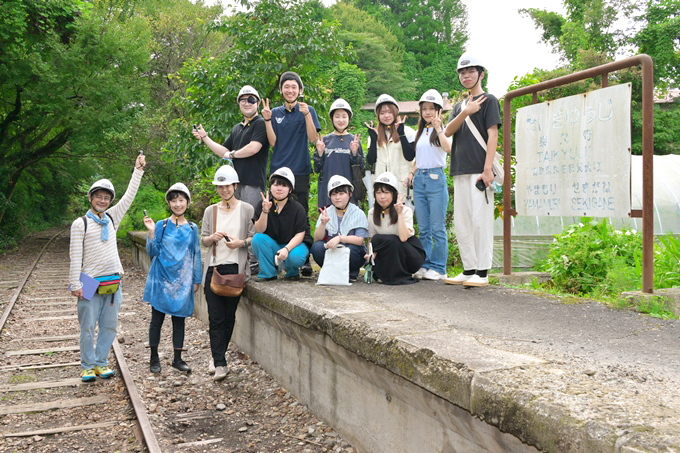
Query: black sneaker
{"points": [[181, 365], [265, 279], [293, 277], [155, 365], [306, 270]]}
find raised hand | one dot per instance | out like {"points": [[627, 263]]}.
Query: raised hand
{"points": [[140, 163], [474, 106], [266, 111], [149, 223], [266, 203], [437, 122], [323, 215], [371, 127], [199, 132], [304, 108], [399, 205], [320, 146], [354, 145], [401, 120]]}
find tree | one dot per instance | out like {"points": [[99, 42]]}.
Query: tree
{"points": [[423, 26], [70, 87], [268, 38], [660, 38]]}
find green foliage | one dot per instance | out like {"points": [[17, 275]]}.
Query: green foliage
{"points": [[268, 38], [667, 262], [582, 258], [349, 83], [441, 74], [148, 198], [659, 39]]}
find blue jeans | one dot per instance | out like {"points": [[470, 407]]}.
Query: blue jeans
{"points": [[356, 256], [265, 249], [103, 310], [431, 199]]}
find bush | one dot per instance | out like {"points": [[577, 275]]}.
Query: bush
{"points": [[147, 198], [593, 256]]}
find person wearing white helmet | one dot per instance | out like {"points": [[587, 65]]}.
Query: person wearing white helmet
{"points": [[227, 231], [397, 252], [246, 146], [343, 223], [475, 122], [282, 229], [338, 152], [390, 144], [95, 266], [175, 252], [430, 191]]}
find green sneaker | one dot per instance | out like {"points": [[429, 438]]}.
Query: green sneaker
{"points": [[103, 372], [88, 375]]}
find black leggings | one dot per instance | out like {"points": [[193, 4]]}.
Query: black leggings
{"points": [[221, 314], [157, 318]]}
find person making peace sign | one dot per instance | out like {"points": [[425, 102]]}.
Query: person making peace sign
{"points": [[430, 193]]}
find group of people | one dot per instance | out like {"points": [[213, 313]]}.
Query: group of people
{"points": [[260, 228]]}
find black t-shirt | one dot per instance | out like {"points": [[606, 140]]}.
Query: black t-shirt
{"points": [[468, 156], [252, 171], [282, 226]]}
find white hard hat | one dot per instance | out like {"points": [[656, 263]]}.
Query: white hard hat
{"points": [[179, 187], [247, 89], [340, 104], [387, 178], [338, 181], [102, 184], [468, 60], [225, 175], [385, 98], [285, 173], [432, 96]]}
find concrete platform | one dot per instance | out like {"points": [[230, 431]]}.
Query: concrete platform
{"points": [[431, 367]]}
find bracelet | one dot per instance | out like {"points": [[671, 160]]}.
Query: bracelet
{"points": [[245, 244], [204, 137], [286, 247], [306, 114], [266, 212], [268, 119]]}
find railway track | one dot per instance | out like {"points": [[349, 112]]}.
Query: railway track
{"points": [[44, 404]]}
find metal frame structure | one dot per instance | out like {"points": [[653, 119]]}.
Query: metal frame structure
{"points": [[647, 210]]}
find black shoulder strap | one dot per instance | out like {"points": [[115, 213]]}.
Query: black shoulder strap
{"points": [[165, 224]]}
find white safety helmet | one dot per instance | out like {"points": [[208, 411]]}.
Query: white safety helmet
{"points": [[385, 98], [285, 173], [468, 60], [247, 89], [432, 96], [387, 178], [338, 181], [179, 187], [102, 184], [225, 175], [340, 104]]}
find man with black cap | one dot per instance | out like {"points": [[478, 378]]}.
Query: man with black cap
{"points": [[291, 127]]}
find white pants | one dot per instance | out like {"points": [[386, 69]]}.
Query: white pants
{"points": [[473, 222]]}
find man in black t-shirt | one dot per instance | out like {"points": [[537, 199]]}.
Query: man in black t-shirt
{"points": [[475, 136], [247, 146]]}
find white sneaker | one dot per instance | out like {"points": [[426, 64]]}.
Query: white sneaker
{"points": [[476, 280], [220, 373], [458, 279], [432, 274], [420, 273], [211, 366]]}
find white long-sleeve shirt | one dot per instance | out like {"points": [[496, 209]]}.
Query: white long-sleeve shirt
{"points": [[93, 256]]}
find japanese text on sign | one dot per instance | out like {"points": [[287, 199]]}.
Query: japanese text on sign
{"points": [[573, 155]]}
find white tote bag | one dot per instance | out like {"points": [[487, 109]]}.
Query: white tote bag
{"points": [[335, 270]]}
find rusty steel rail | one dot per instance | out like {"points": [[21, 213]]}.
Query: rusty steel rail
{"points": [[149, 437], [647, 212]]}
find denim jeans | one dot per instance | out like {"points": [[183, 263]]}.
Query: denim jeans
{"points": [[431, 198], [265, 249], [103, 310]]}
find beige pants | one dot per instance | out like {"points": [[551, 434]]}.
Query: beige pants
{"points": [[473, 222]]}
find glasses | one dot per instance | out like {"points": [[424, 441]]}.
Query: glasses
{"points": [[102, 197], [249, 100]]}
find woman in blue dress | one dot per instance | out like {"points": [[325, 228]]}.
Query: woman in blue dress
{"points": [[175, 274]]}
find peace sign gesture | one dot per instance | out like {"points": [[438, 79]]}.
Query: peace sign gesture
{"points": [[400, 120], [320, 146], [399, 205], [354, 145], [437, 121], [266, 204], [266, 111], [474, 106], [323, 215]]}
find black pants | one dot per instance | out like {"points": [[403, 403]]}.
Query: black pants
{"points": [[221, 313], [396, 261], [157, 318], [301, 191]]}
